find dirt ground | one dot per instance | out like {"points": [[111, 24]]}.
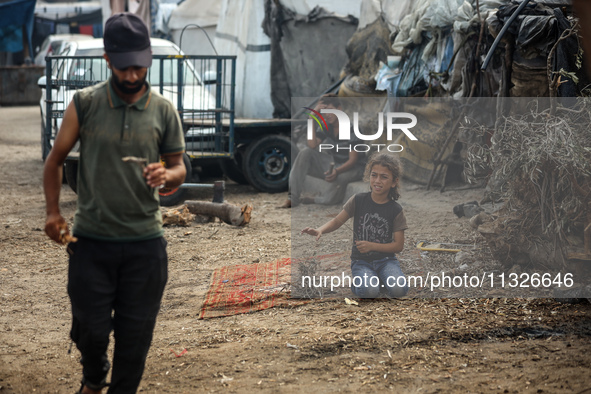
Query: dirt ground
{"points": [[410, 345]]}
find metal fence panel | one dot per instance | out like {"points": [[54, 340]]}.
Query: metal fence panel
{"points": [[200, 87]]}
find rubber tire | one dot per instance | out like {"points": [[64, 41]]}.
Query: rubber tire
{"points": [[170, 197], [270, 152], [232, 168], [71, 174]]}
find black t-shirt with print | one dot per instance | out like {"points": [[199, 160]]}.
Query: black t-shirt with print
{"points": [[374, 222]]}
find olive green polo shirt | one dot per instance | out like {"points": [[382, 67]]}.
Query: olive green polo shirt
{"points": [[114, 201]]}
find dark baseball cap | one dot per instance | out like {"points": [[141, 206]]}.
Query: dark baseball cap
{"points": [[127, 41]]}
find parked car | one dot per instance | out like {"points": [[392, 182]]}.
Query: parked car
{"points": [[80, 64], [53, 44]]}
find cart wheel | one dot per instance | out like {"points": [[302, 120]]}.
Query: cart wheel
{"points": [[267, 162], [169, 197], [232, 168], [71, 174]]}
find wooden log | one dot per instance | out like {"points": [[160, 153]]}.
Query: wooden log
{"points": [[228, 213], [180, 216]]}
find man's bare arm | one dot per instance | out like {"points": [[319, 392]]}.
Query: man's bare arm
{"points": [[52, 173]]}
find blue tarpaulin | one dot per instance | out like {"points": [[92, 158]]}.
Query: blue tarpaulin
{"points": [[14, 15]]}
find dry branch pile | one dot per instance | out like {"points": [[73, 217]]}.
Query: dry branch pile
{"points": [[542, 164]]}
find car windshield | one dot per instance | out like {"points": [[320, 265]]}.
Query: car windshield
{"points": [[96, 70]]}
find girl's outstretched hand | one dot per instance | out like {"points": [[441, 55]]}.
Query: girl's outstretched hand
{"points": [[312, 231]]}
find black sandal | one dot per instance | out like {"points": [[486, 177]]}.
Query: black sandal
{"points": [[91, 386]]}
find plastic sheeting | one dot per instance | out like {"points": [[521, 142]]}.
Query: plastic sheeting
{"points": [[534, 28], [426, 15], [425, 36], [13, 16], [307, 52], [239, 33], [340, 8], [536, 31], [205, 13], [393, 11], [412, 80], [437, 17]]}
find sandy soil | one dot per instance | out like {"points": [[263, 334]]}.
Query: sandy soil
{"points": [[409, 345]]}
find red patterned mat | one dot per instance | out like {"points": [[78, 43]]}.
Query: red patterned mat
{"points": [[248, 288], [252, 287]]}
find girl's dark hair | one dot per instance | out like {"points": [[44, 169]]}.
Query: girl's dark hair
{"points": [[392, 163]]}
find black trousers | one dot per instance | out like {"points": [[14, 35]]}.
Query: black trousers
{"points": [[115, 286]]}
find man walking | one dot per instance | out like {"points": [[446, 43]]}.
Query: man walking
{"points": [[118, 265]]}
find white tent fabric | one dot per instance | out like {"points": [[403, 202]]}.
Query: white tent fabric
{"points": [[139, 7], [431, 15], [393, 11], [239, 33], [204, 13], [193, 41], [341, 8], [435, 15]]}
